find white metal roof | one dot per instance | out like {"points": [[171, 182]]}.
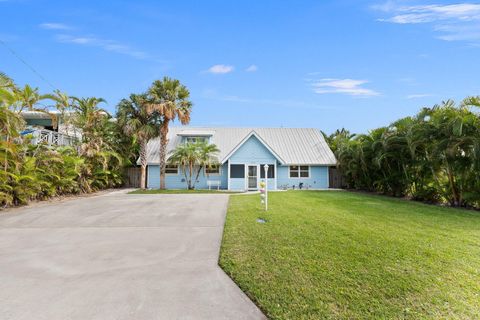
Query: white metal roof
{"points": [[196, 132], [292, 145]]}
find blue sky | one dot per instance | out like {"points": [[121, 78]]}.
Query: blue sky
{"points": [[322, 64]]}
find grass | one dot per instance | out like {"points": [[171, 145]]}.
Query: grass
{"points": [[178, 191], [342, 255]]}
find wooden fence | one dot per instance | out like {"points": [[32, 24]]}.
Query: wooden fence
{"points": [[132, 177], [337, 181]]}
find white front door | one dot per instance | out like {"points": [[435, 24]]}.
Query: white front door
{"points": [[252, 177]]}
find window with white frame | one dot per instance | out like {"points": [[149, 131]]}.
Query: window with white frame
{"points": [[299, 171], [213, 169], [171, 169], [195, 139]]}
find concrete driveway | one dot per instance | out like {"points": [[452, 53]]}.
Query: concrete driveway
{"points": [[118, 256]]}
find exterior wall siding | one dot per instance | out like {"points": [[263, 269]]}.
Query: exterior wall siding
{"points": [[177, 181], [237, 184], [251, 152], [318, 178]]}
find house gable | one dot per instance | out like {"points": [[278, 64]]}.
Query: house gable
{"points": [[252, 150], [252, 147]]}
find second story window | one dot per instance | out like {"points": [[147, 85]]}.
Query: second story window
{"points": [[195, 139]]}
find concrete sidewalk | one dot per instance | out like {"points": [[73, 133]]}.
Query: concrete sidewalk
{"points": [[118, 256]]}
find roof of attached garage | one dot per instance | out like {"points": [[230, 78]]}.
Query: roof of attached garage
{"points": [[291, 145]]}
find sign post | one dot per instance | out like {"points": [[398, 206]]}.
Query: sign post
{"points": [[264, 188]]}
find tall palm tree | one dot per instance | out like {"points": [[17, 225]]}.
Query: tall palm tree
{"points": [[170, 100], [136, 120]]}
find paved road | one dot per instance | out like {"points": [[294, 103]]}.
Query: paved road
{"points": [[118, 256]]}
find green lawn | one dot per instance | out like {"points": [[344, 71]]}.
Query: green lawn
{"points": [[177, 191], [342, 255]]}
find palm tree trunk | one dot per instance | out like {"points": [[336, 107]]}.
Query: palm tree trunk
{"points": [[143, 163], [163, 152], [191, 184], [198, 173], [451, 179]]}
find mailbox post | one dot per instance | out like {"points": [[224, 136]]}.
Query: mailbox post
{"points": [[266, 186]]}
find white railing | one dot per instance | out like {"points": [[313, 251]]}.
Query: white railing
{"points": [[43, 136]]}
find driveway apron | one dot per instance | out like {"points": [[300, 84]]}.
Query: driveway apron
{"points": [[118, 256]]}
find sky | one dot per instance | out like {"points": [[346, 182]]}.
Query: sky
{"points": [[321, 64]]}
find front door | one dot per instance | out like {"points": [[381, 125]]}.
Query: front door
{"points": [[252, 177]]}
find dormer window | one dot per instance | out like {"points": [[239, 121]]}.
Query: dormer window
{"points": [[195, 139]]}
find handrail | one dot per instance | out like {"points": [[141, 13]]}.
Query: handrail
{"points": [[44, 136]]}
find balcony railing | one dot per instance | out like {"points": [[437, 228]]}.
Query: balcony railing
{"points": [[43, 136]]}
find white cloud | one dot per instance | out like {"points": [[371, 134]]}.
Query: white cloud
{"points": [[418, 95], [252, 68], [105, 44], [455, 22], [221, 69], [54, 26], [343, 86]]}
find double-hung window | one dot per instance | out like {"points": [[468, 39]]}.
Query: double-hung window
{"points": [[171, 169], [299, 171], [212, 170]]}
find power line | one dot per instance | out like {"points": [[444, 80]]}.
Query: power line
{"points": [[16, 55]]}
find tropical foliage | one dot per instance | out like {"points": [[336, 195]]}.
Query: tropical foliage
{"points": [[433, 156], [192, 158], [138, 122], [29, 172], [170, 100]]}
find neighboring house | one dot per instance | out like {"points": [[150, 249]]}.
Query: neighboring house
{"points": [[297, 158], [50, 128]]}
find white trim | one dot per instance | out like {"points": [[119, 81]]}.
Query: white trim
{"points": [[328, 177], [228, 174], [252, 133], [299, 170]]}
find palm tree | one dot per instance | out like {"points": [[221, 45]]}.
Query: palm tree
{"points": [[170, 100], [186, 156], [63, 103], [29, 98], [192, 158], [90, 118], [6, 81], [207, 156], [135, 119]]}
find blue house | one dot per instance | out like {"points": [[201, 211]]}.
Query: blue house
{"points": [[296, 158]]}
